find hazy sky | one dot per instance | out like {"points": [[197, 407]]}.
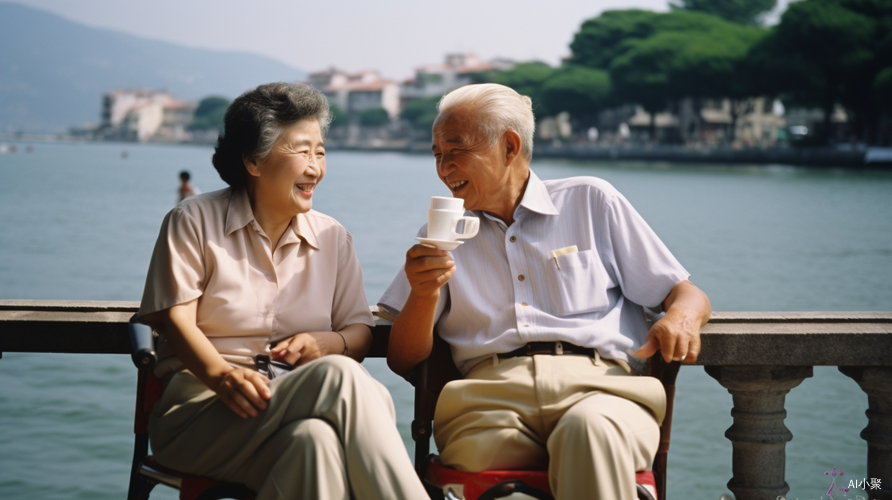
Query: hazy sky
{"points": [[392, 36]]}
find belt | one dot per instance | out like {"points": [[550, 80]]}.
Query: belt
{"points": [[553, 348]]}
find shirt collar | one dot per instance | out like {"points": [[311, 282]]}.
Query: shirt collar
{"points": [[303, 229], [240, 215], [536, 197]]}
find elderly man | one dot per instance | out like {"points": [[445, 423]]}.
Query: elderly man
{"points": [[543, 311]]}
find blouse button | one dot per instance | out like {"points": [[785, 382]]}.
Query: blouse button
{"points": [[521, 277]]}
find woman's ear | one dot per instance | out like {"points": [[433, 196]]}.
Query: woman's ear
{"points": [[251, 166]]}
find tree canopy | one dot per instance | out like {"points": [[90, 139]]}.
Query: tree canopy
{"points": [[527, 79], [603, 39], [580, 91], [374, 117], [655, 58], [737, 11], [338, 118], [882, 89], [209, 113], [421, 113], [829, 52]]}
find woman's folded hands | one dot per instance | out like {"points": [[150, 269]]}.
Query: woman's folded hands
{"points": [[244, 390]]}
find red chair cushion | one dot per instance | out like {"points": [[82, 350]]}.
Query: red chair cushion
{"points": [[471, 485]]}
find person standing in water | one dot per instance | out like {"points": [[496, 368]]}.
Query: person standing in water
{"points": [[186, 189]]}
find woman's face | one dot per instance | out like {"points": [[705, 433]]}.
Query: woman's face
{"points": [[284, 181]]}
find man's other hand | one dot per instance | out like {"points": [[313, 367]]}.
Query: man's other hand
{"points": [[677, 333]]}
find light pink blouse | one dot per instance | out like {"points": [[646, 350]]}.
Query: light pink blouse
{"points": [[250, 294]]}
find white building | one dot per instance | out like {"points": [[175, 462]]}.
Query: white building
{"points": [[142, 115], [456, 70], [356, 92]]}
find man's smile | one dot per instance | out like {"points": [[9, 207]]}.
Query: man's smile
{"points": [[456, 186]]}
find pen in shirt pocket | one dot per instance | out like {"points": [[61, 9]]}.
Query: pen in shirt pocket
{"points": [[562, 251]]}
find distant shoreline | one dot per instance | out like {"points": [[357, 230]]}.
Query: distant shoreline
{"points": [[862, 158], [865, 158]]}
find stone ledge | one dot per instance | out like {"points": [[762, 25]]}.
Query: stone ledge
{"points": [[731, 338]]}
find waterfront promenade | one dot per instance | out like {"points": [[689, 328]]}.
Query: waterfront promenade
{"points": [[80, 222], [758, 356]]}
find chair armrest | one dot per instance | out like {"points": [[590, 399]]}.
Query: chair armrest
{"points": [[142, 345]]}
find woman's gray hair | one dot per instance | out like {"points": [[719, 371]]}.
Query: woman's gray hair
{"points": [[499, 109], [254, 121]]}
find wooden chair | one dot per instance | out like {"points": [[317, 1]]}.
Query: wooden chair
{"points": [[146, 472], [438, 369]]}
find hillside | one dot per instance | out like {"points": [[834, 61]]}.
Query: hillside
{"points": [[53, 71]]}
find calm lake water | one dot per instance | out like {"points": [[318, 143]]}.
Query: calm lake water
{"points": [[78, 221]]}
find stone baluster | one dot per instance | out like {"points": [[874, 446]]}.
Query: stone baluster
{"points": [[758, 434], [877, 383]]}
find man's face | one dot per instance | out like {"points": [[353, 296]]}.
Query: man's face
{"points": [[466, 163]]}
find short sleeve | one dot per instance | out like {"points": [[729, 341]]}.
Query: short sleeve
{"points": [[349, 305], [396, 295], [645, 269], [177, 269]]}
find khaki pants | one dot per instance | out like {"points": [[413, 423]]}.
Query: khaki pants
{"points": [[588, 421], [329, 432]]}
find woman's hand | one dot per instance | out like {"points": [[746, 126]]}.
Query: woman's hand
{"points": [[244, 391], [305, 347], [352, 340]]}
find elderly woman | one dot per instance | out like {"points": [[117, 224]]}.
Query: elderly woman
{"points": [[262, 315]]}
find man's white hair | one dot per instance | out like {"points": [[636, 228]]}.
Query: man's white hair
{"points": [[498, 109]]}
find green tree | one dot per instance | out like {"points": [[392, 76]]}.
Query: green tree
{"points": [[603, 39], [882, 89], [209, 113], [338, 118], [715, 64], [582, 92], [527, 79], [374, 117], [421, 113], [641, 76], [737, 11], [829, 52], [657, 58]]}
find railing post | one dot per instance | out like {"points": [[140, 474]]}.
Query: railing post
{"points": [[876, 381], [758, 434]]}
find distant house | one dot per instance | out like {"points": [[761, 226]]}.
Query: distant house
{"points": [[456, 70], [143, 115], [356, 92]]}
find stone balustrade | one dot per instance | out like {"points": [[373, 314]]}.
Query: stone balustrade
{"points": [[759, 357]]}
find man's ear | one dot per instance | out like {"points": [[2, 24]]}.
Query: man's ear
{"points": [[251, 166], [512, 146]]}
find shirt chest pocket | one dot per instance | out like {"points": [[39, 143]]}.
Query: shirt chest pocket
{"points": [[577, 283]]}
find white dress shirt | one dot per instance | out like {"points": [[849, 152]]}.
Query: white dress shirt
{"points": [[249, 294], [526, 282]]}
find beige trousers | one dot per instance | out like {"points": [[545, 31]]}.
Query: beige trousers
{"points": [[329, 432], [588, 421]]}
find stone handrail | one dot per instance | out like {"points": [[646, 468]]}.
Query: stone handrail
{"points": [[757, 356]]}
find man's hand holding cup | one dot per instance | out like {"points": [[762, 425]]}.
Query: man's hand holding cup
{"points": [[429, 264]]}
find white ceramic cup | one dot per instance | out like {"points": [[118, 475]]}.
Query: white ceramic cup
{"points": [[447, 203], [443, 225]]}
